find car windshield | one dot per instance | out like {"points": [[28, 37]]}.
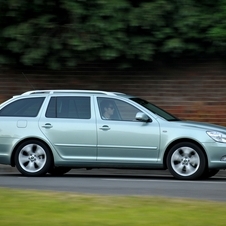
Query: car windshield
{"points": [[154, 109]]}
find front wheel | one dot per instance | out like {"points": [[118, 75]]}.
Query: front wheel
{"points": [[33, 158], [186, 161]]}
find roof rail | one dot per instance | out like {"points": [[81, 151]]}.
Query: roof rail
{"points": [[71, 91]]}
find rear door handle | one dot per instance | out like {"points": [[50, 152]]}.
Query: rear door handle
{"points": [[47, 126], [105, 128]]}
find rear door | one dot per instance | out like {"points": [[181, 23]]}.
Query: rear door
{"points": [[69, 124]]}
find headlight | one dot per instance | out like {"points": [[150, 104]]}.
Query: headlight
{"points": [[217, 136]]}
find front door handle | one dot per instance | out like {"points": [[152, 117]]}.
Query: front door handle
{"points": [[47, 126], [105, 128]]}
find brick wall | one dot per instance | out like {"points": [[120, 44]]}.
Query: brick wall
{"points": [[189, 90]]}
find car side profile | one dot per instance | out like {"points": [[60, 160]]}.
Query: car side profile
{"points": [[53, 131]]}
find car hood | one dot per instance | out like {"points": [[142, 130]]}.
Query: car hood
{"points": [[203, 125]]}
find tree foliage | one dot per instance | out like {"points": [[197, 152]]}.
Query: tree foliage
{"points": [[63, 33]]}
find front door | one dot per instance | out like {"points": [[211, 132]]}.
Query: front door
{"points": [[121, 138]]}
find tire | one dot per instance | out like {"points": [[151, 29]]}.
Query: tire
{"points": [[33, 158], [186, 161], [59, 171]]}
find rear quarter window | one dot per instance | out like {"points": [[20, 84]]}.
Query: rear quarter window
{"points": [[27, 107]]}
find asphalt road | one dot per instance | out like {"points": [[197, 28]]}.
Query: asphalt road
{"points": [[121, 182]]}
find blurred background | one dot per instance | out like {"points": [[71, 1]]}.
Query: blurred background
{"points": [[171, 53]]}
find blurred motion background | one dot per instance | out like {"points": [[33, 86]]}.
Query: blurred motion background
{"points": [[171, 53]]}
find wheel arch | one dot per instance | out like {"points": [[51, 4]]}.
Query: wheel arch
{"points": [[12, 160], [180, 141]]}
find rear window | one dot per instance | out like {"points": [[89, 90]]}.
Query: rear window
{"points": [[27, 107]]}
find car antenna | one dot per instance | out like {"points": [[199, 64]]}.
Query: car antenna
{"points": [[28, 81]]}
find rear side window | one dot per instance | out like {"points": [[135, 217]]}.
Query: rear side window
{"points": [[69, 107], [28, 107]]}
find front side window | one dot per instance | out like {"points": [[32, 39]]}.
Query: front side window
{"points": [[113, 109], [27, 107], [69, 107]]}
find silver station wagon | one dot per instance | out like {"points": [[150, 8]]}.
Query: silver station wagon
{"points": [[53, 131]]}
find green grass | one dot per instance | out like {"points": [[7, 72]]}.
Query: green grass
{"points": [[25, 207]]}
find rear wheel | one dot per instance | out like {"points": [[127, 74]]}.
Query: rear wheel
{"points": [[33, 158], [186, 161]]}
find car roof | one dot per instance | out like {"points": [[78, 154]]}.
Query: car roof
{"points": [[62, 91]]}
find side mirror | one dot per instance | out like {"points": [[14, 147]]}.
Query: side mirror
{"points": [[142, 117]]}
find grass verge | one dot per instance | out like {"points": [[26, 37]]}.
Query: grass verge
{"points": [[25, 207]]}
